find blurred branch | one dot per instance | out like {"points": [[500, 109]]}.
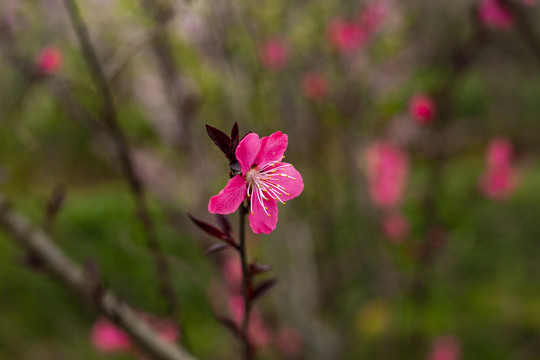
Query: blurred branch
{"points": [[72, 276], [183, 101], [123, 152]]}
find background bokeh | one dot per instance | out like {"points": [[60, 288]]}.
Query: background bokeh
{"points": [[456, 278]]}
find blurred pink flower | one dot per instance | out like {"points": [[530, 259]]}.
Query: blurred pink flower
{"points": [[500, 152], [395, 227], [314, 86], [493, 14], [274, 54], [107, 337], [232, 271], [346, 36], [290, 341], [264, 179], [258, 332], [49, 60], [498, 183], [166, 328], [387, 171], [445, 347], [499, 180], [372, 16], [422, 109]]}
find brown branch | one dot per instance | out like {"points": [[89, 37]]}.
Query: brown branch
{"points": [[182, 99], [109, 115], [73, 277]]}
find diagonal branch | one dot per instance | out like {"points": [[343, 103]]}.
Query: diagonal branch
{"points": [[73, 277]]}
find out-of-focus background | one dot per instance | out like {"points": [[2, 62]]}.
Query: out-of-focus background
{"points": [[415, 125]]}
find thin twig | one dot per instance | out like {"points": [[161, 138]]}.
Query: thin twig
{"points": [[122, 149], [183, 101], [73, 277]]}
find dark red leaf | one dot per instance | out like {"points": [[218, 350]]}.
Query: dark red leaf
{"points": [[235, 137], [209, 229], [216, 247], [222, 140], [262, 289], [255, 269], [224, 224]]}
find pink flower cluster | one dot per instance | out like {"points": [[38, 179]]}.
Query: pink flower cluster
{"points": [[387, 172], [109, 338], [264, 180], [499, 179], [49, 60], [348, 36]]}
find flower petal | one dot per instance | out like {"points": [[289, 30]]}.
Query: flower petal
{"points": [[290, 179], [247, 151], [230, 198], [263, 219], [272, 148]]}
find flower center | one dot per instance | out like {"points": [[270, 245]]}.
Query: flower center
{"points": [[252, 175], [263, 182]]}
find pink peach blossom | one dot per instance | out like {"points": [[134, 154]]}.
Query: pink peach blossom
{"points": [[498, 183], [264, 180], [395, 227], [387, 171], [346, 36], [274, 54], [445, 347], [372, 16], [422, 109], [107, 337], [499, 179], [49, 60], [314, 86], [500, 152], [493, 14]]}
